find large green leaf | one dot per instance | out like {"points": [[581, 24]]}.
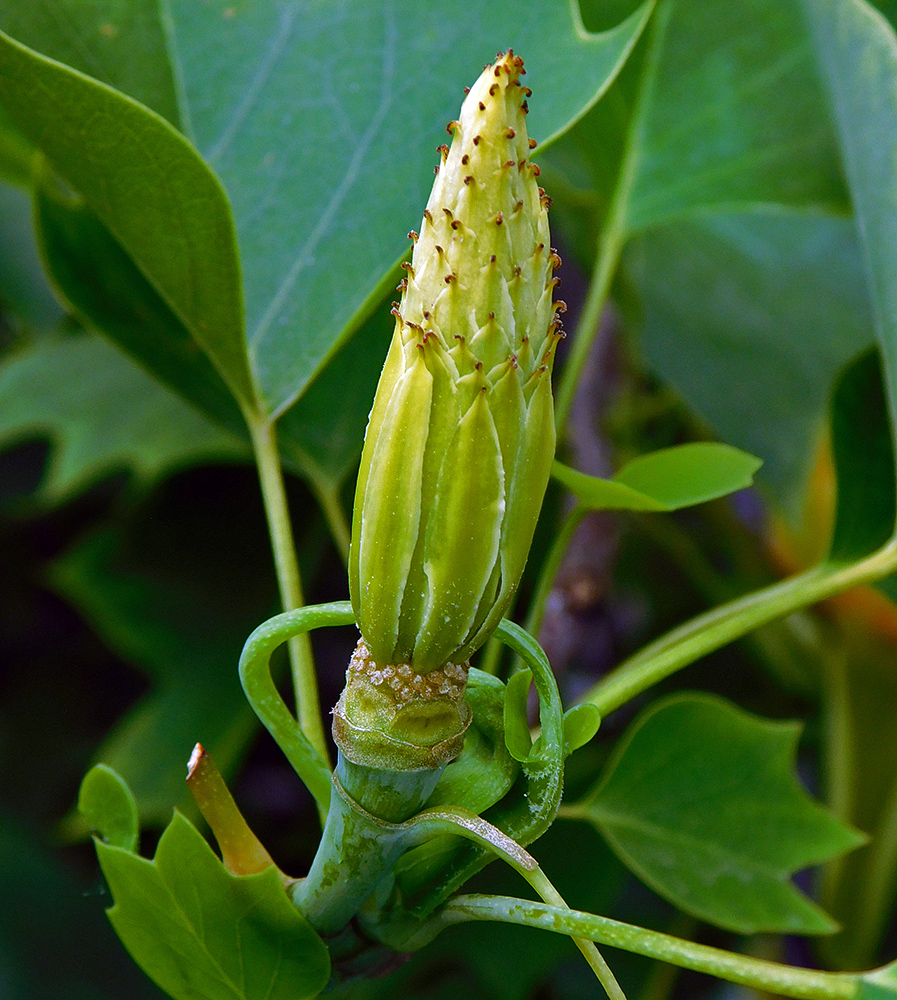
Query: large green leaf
{"points": [[857, 52], [119, 42], [108, 292], [200, 932], [322, 211], [322, 120], [750, 317], [148, 186], [701, 800], [667, 479], [730, 211], [719, 96], [102, 414]]}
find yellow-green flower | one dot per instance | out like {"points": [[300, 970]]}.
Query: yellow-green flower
{"points": [[461, 435]]}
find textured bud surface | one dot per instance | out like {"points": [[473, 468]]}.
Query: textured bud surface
{"points": [[461, 436], [392, 717]]}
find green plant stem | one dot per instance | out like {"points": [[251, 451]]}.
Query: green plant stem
{"points": [[305, 681], [435, 822], [720, 626], [539, 881], [610, 246], [803, 984], [613, 234], [265, 699], [340, 529], [549, 571]]}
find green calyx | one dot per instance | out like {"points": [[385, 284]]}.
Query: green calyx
{"points": [[393, 718], [461, 435]]}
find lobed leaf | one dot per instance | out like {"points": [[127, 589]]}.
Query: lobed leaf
{"points": [[324, 130], [751, 316], [201, 933], [741, 266], [102, 414], [665, 480], [148, 185], [701, 801], [857, 53]]}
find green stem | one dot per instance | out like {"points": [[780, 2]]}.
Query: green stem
{"points": [[340, 529], [803, 984], [610, 246], [549, 571], [305, 681], [435, 822], [255, 675], [720, 626], [614, 233], [538, 880]]}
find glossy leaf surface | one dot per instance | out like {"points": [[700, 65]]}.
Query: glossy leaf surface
{"points": [[114, 152], [102, 415], [198, 931], [701, 801], [664, 480]]}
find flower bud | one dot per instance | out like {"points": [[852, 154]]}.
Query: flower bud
{"points": [[461, 435]]}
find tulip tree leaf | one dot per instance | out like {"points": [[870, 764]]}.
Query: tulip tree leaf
{"points": [[730, 302], [665, 480], [323, 128], [100, 38], [857, 53], [701, 801], [198, 931], [109, 808], [103, 414], [739, 246], [145, 182]]}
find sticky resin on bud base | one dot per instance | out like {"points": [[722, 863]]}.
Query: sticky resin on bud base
{"points": [[460, 440]]}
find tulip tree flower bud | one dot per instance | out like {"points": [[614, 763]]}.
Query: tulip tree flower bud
{"points": [[461, 435]]}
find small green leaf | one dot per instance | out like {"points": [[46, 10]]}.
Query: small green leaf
{"points": [[665, 480], [581, 723], [702, 802], [103, 414], [517, 735], [864, 461], [198, 931], [114, 151], [109, 808]]}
